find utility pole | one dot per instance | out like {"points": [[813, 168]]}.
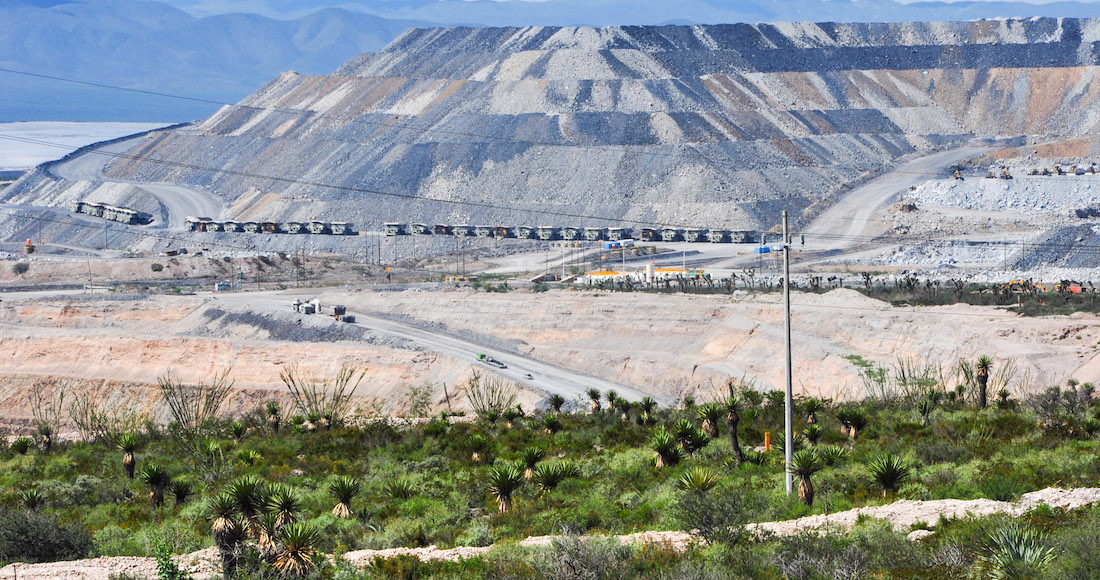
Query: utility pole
{"points": [[788, 441]]}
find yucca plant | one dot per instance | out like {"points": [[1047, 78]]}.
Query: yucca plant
{"points": [[781, 443], [344, 488], [1017, 551], [925, 408], [530, 457], [856, 422], [666, 448], [45, 438], [552, 424], [156, 478], [273, 417], [22, 445], [556, 402], [889, 472], [299, 542], [697, 479], [981, 375], [1091, 426], [510, 417], [400, 488], [709, 415], [647, 406], [128, 444], [267, 526], [805, 464], [503, 481], [624, 407], [594, 396], [612, 396], [813, 432], [844, 417], [284, 504], [31, 499], [226, 530], [548, 476], [479, 447], [238, 430], [250, 495], [181, 489], [832, 454], [812, 407], [733, 419]]}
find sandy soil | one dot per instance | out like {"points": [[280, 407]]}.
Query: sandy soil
{"points": [[665, 345], [901, 514]]}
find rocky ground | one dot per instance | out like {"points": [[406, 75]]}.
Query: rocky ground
{"points": [[901, 514]]}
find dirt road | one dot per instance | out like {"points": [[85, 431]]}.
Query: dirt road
{"points": [[180, 201]]}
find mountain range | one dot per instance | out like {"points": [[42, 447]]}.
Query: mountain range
{"points": [[203, 50]]}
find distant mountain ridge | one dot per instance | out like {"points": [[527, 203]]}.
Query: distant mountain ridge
{"points": [[641, 12], [155, 46]]}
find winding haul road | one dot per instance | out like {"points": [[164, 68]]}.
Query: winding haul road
{"points": [[546, 377], [179, 200]]}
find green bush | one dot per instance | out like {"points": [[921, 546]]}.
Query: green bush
{"points": [[35, 537], [20, 268], [156, 267]]}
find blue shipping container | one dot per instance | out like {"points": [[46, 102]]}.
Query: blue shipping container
{"points": [[763, 250]]}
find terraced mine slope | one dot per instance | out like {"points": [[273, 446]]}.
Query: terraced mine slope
{"points": [[707, 126]]}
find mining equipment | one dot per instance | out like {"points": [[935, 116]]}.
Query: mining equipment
{"points": [[484, 358]]}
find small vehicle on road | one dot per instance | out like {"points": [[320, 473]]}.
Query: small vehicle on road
{"points": [[527, 376], [491, 361]]}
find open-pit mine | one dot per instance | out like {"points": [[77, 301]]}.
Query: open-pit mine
{"points": [[532, 161]]}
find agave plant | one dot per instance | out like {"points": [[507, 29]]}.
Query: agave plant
{"points": [[400, 488], [1091, 426], [781, 442], [344, 488], [889, 471], [181, 490], [284, 504], [504, 480], [530, 457], [1016, 551], [22, 445], [812, 407], [248, 456], [805, 464], [812, 433], [698, 479], [31, 499], [832, 454], [666, 448], [157, 479], [594, 396], [299, 550], [128, 443], [557, 402], [756, 457], [238, 430], [709, 415]]}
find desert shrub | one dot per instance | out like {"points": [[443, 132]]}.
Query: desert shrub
{"points": [[720, 514], [1078, 548], [578, 557], [20, 268], [34, 537], [1002, 488], [156, 267]]}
